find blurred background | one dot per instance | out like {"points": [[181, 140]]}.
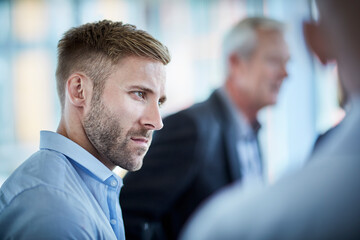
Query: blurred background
{"points": [[193, 31]]}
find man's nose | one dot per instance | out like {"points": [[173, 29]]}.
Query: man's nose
{"points": [[283, 71], [151, 118]]}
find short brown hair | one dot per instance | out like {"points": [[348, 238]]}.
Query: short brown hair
{"points": [[95, 47]]}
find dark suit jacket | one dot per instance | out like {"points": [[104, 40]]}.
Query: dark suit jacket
{"points": [[190, 158]]}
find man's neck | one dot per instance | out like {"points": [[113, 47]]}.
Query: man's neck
{"points": [[243, 103], [76, 133]]}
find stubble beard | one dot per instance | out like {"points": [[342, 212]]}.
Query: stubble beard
{"points": [[105, 134]]}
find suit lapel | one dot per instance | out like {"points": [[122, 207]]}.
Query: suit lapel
{"points": [[229, 136], [232, 153]]}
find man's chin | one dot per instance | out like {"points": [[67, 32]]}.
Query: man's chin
{"points": [[132, 161], [136, 165], [272, 100]]}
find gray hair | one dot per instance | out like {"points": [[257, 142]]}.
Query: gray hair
{"points": [[242, 37]]}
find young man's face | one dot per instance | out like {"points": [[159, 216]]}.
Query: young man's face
{"points": [[264, 72], [121, 123]]}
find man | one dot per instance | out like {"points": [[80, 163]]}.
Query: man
{"points": [[110, 80], [322, 200], [211, 144]]}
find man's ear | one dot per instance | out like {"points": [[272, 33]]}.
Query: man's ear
{"points": [[234, 59], [236, 63], [78, 89], [318, 43]]}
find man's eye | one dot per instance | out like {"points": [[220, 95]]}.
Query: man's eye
{"points": [[140, 94]]}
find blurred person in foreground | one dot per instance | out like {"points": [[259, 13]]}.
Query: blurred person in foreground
{"points": [[321, 201], [213, 143], [344, 105], [110, 81]]}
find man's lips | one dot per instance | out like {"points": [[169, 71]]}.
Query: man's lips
{"points": [[275, 86], [140, 140]]}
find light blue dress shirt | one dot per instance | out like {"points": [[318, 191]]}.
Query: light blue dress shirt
{"points": [[61, 192]]}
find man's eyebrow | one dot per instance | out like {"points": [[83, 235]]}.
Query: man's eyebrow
{"points": [[162, 99], [142, 88]]}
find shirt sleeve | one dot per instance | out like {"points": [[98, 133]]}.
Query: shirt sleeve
{"points": [[43, 213]]}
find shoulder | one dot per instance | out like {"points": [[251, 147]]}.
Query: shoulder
{"points": [[318, 202], [44, 167], [42, 212]]}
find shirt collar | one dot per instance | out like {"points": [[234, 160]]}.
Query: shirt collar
{"points": [[245, 128], [57, 142]]}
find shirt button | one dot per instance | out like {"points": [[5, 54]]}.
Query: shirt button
{"points": [[113, 221], [113, 183]]}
